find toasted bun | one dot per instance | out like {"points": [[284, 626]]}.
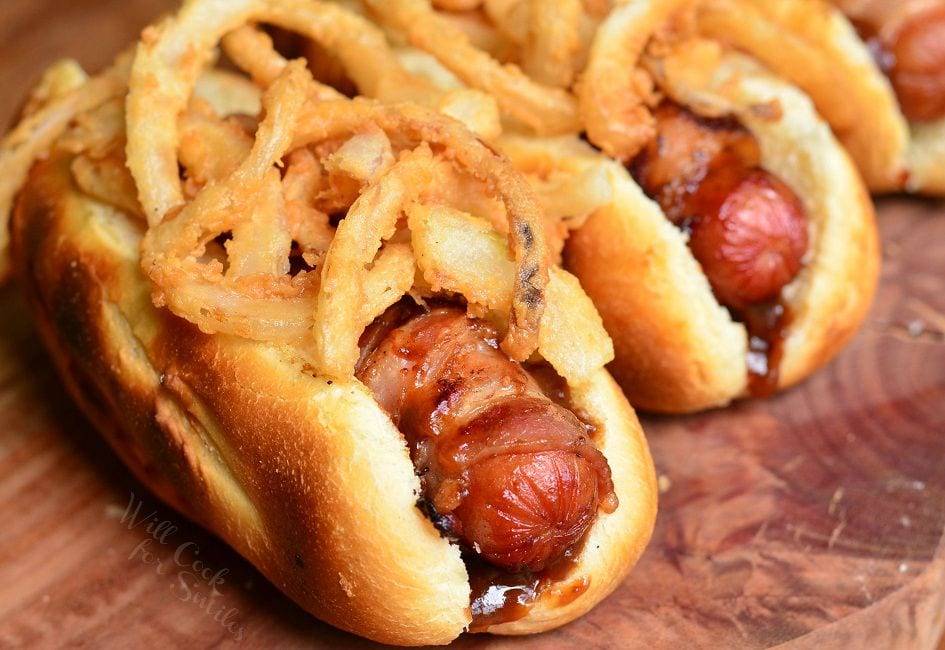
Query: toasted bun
{"points": [[811, 44], [676, 348], [305, 477]]}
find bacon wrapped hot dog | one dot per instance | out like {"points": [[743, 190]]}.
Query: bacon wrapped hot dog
{"points": [[770, 209], [328, 330]]}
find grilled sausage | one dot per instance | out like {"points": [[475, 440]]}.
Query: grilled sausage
{"points": [[505, 470], [747, 228]]}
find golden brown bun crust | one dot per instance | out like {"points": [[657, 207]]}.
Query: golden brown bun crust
{"points": [[306, 478], [676, 349]]}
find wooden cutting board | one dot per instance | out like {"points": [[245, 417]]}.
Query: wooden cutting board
{"points": [[814, 519]]}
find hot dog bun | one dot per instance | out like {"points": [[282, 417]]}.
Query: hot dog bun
{"points": [[676, 348], [306, 477], [813, 45]]}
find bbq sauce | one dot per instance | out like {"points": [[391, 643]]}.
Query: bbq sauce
{"points": [[499, 596], [767, 325], [555, 387]]}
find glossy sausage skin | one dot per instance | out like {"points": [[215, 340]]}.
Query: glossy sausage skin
{"points": [[746, 227], [908, 41], [918, 71], [748, 232], [506, 471]]}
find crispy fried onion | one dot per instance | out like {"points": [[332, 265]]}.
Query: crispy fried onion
{"points": [[412, 125], [246, 244], [545, 109], [553, 42], [63, 93], [614, 92], [245, 298], [571, 179], [173, 53], [592, 47], [253, 50]]}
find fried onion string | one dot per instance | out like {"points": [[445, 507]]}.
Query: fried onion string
{"points": [[224, 258]]}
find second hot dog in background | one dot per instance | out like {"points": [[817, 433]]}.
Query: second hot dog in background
{"points": [[766, 202], [747, 229], [878, 81], [907, 40]]}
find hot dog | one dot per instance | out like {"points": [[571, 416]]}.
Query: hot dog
{"points": [[239, 346], [308, 477], [880, 89], [775, 220]]}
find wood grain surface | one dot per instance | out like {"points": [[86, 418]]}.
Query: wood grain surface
{"points": [[814, 519]]}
